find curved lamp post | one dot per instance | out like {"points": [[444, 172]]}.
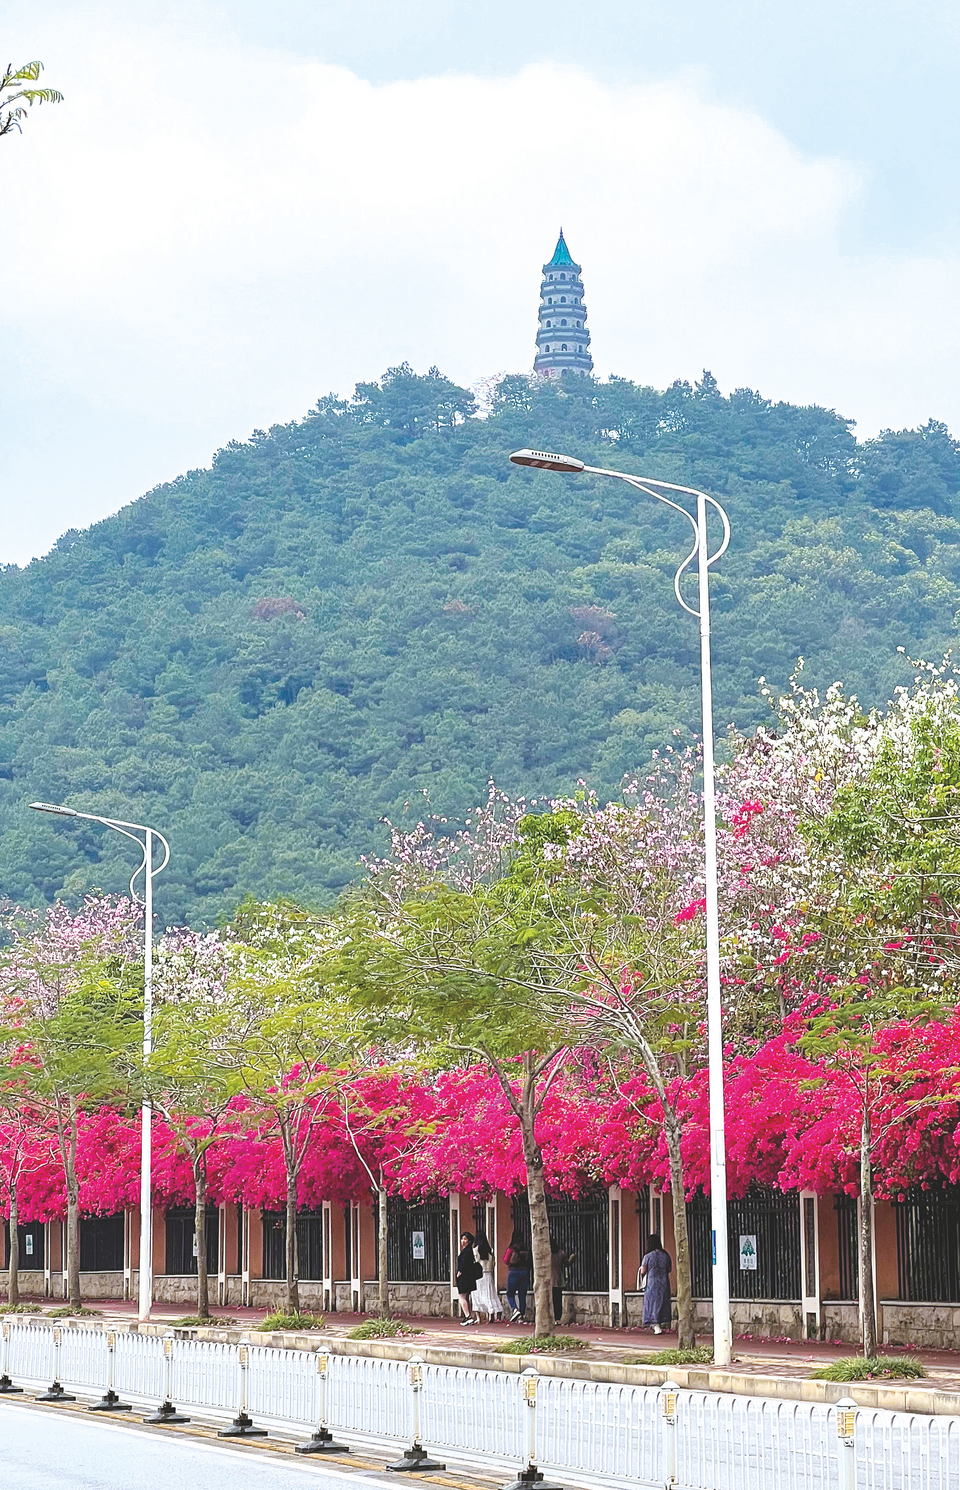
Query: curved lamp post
{"points": [[150, 872], [652, 487]]}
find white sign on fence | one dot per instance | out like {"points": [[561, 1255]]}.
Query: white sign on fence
{"points": [[419, 1246], [748, 1254], [28, 1244]]}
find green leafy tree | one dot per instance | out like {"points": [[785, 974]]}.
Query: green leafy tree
{"points": [[288, 1038], [16, 99], [192, 1075], [460, 971]]}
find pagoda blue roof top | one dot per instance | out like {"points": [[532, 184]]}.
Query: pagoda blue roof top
{"points": [[561, 256]]}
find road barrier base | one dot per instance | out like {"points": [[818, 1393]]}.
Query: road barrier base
{"points": [[55, 1394], [322, 1442], [242, 1427], [6, 1385], [166, 1413], [531, 1479], [110, 1402], [415, 1460]]}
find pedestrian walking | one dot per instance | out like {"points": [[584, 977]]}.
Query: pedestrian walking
{"points": [[486, 1297], [655, 1269], [559, 1260], [468, 1270], [519, 1263]]}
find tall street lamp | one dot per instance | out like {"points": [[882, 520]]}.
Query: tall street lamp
{"points": [[150, 872], [652, 487]]}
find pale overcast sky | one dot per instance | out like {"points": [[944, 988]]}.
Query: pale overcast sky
{"points": [[242, 206]]}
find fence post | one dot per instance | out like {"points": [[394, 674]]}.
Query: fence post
{"points": [[6, 1385], [846, 1410], [242, 1425], [415, 1457], [166, 1412], [668, 1414], [322, 1441], [110, 1402], [55, 1392], [530, 1474]]}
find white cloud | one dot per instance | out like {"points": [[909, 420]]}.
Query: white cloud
{"points": [[208, 240]]}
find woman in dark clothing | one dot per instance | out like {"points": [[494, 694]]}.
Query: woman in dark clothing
{"points": [[559, 1258], [519, 1262], [467, 1279], [655, 1268]]}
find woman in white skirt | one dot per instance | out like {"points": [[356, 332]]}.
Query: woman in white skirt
{"points": [[486, 1296]]}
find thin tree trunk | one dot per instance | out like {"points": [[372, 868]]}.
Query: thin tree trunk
{"points": [[868, 1311], [383, 1286], [13, 1273], [200, 1227], [686, 1336], [539, 1220], [293, 1284], [291, 1254], [73, 1215]]}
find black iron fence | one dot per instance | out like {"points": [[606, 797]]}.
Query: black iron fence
{"points": [[31, 1238], [582, 1228], [101, 1243], [309, 1244], [181, 1252], [418, 1240], [928, 1245], [763, 1236], [848, 1253]]}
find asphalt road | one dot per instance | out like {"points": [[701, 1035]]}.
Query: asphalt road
{"points": [[43, 1451]]}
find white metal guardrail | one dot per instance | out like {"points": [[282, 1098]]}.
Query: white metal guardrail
{"points": [[588, 1431]]}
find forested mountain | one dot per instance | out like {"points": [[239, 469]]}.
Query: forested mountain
{"points": [[265, 658]]}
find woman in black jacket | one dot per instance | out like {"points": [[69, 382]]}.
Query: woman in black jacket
{"points": [[467, 1273]]}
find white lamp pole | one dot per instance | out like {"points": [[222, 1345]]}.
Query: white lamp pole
{"points": [[651, 486], [145, 844]]}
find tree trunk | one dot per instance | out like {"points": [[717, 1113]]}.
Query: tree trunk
{"points": [[686, 1337], [13, 1273], [200, 1229], [293, 1283], [73, 1217], [539, 1220], [868, 1310], [383, 1286]]}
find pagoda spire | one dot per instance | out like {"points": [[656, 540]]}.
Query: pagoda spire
{"points": [[563, 341]]}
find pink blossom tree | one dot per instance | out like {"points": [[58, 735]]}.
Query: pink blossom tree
{"points": [[71, 993]]}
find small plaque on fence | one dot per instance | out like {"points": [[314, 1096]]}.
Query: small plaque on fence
{"points": [[748, 1254]]}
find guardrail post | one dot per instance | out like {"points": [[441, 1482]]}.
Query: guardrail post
{"points": [[846, 1410], [322, 1441], [6, 1385], [166, 1412], [530, 1474], [668, 1414], [242, 1425], [110, 1402], [55, 1392], [415, 1457]]}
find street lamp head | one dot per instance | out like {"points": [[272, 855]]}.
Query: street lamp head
{"points": [[52, 807], [547, 461]]}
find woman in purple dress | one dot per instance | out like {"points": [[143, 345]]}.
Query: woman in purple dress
{"points": [[655, 1268]]}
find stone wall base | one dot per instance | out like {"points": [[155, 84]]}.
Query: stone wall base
{"points": [[762, 1318], [936, 1326], [426, 1300]]}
